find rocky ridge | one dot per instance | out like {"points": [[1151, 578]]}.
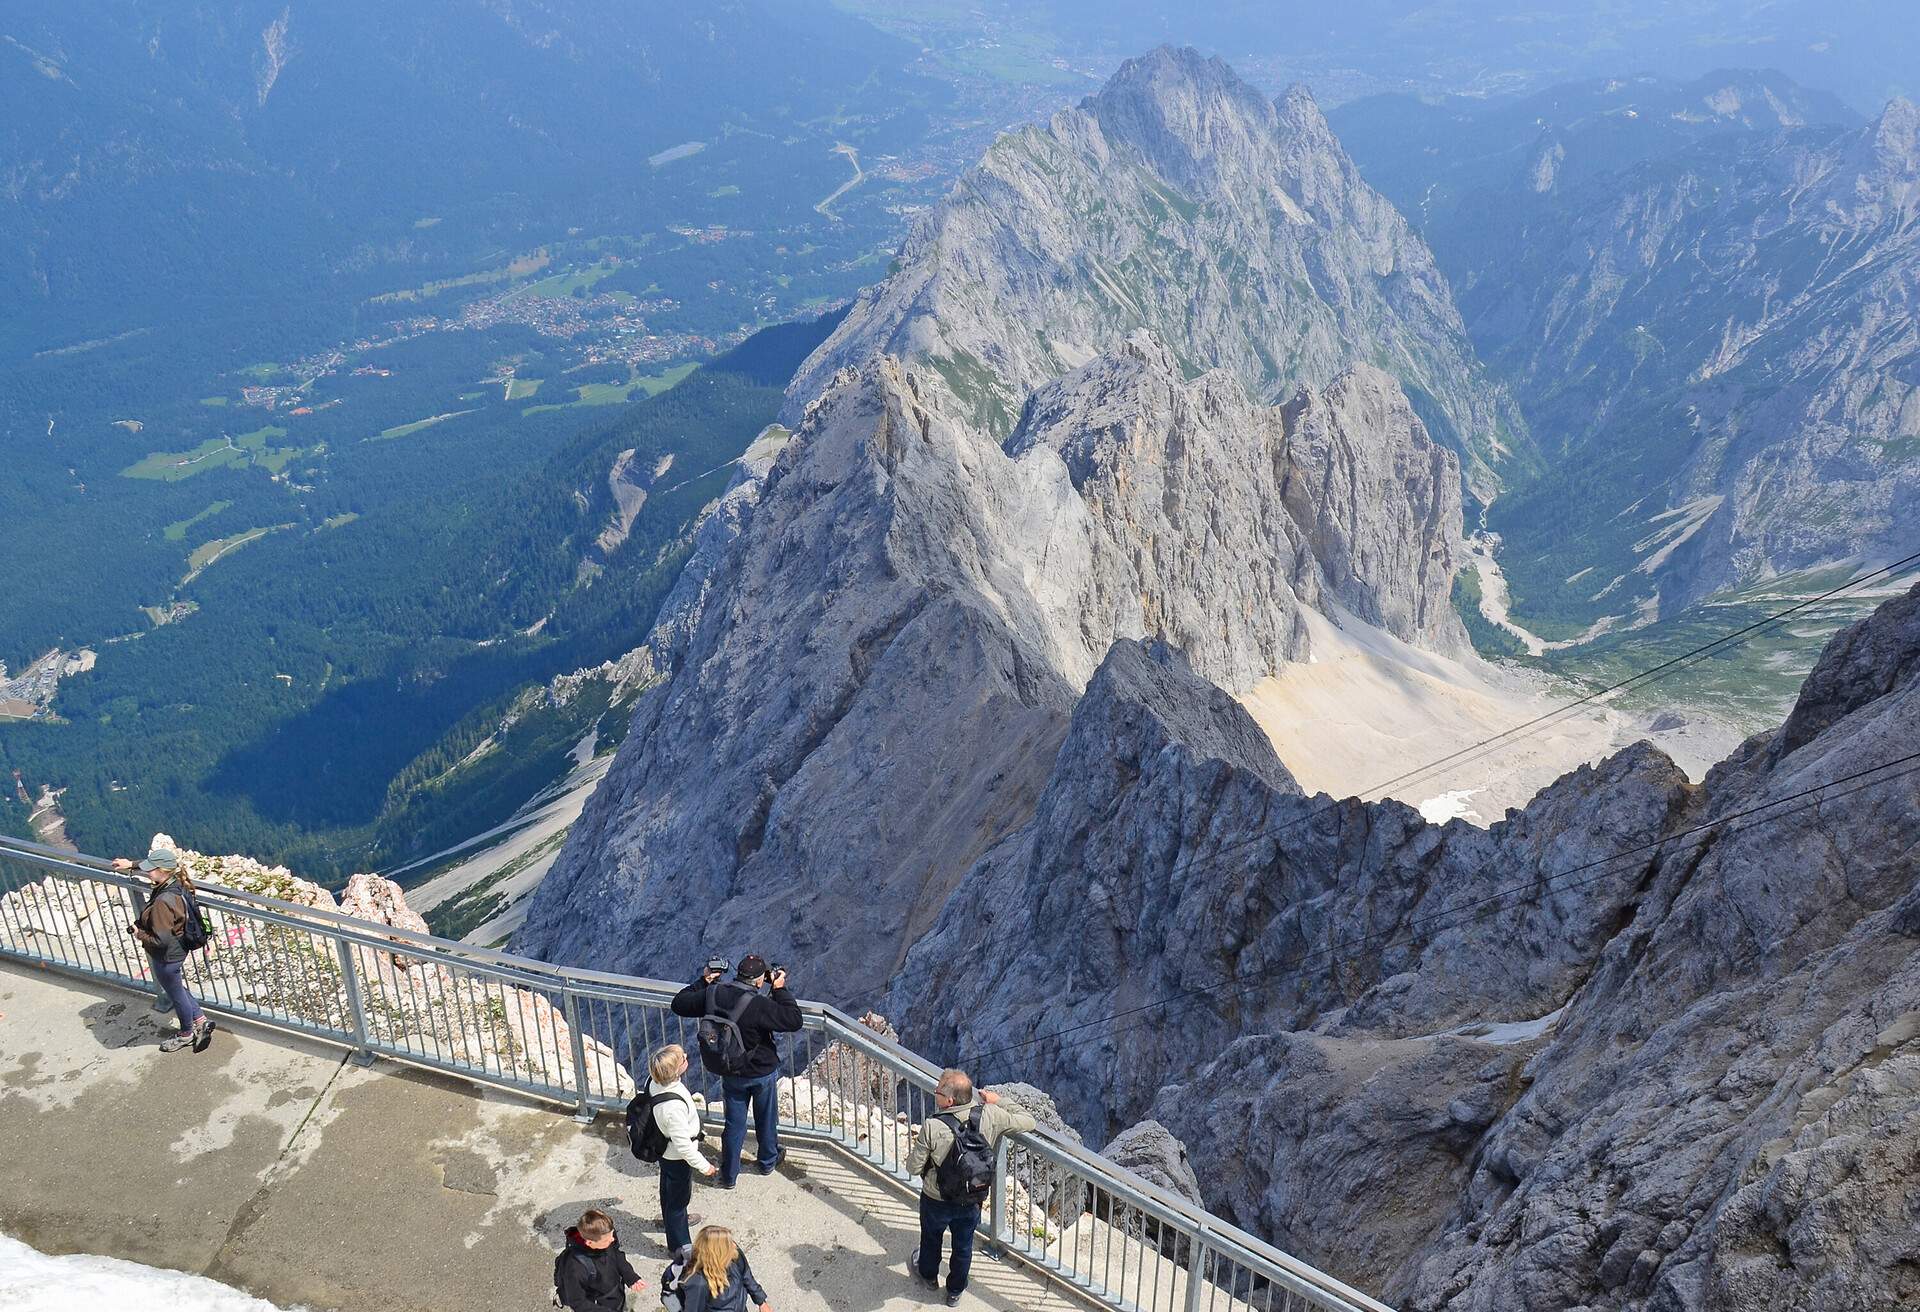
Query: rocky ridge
{"points": [[1730, 334], [879, 654], [1181, 201], [1592, 1058]]}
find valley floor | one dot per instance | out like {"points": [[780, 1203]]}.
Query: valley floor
{"points": [[478, 891], [1367, 706]]}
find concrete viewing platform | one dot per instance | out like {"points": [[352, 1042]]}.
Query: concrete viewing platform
{"points": [[277, 1165]]}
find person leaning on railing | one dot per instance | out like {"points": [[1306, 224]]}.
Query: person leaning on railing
{"points": [[957, 1143], [159, 930]]}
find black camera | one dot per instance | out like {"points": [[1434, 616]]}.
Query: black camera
{"points": [[716, 966], [776, 969]]}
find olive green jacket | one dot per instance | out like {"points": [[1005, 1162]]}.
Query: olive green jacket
{"points": [[935, 1139]]}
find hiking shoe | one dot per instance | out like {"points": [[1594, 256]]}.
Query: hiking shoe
{"points": [[778, 1158], [177, 1041], [203, 1034], [721, 1182], [953, 1300], [913, 1265]]}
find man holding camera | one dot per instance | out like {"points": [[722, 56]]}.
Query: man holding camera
{"points": [[737, 1028]]}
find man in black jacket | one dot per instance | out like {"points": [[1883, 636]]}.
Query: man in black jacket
{"points": [[593, 1275], [755, 1075]]}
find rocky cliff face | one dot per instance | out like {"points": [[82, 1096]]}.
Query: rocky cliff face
{"points": [[1181, 201], [870, 672], [1596, 1057], [1725, 342], [1171, 850]]}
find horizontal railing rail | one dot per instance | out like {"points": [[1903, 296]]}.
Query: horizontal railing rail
{"points": [[580, 1039]]}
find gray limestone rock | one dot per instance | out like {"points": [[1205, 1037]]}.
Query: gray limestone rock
{"points": [[1596, 1057], [1179, 200], [1171, 851], [1050, 1191], [1751, 299], [876, 659], [1151, 1152]]}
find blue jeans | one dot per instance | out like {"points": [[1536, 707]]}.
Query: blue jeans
{"points": [[937, 1219], [168, 973], [763, 1093], [676, 1191]]}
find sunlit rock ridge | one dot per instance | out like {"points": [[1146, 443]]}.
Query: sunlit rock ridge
{"points": [[997, 472], [1178, 200]]}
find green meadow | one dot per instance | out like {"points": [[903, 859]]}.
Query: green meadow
{"points": [[215, 453], [177, 531]]}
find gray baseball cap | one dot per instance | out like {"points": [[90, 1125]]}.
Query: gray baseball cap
{"points": [[161, 858]]}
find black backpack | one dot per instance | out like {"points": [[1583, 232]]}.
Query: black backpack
{"points": [[965, 1174], [195, 933], [723, 1048], [644, 1135]]}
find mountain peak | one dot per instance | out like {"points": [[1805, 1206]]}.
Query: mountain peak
{"points": [[1896, 135], [1190, 115], [1298, 109], [1168, 68]]}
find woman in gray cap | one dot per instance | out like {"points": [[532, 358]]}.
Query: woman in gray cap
{"points": [[162, 931]]}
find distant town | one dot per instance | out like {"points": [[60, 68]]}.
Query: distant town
{"points": [[29, 695]]}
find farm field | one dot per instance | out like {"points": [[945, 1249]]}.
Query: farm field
{"points": [[406, 430], [177, 531], [566, 284], [592, 394], [208, 552], [532, 262], [215, 453]]}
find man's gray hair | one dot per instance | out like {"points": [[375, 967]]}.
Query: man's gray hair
{"points": [[956, 1085]]}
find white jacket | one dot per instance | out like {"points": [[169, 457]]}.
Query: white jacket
{"points": [[680, 1122]]}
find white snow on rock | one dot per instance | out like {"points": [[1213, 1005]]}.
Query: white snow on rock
{"points": [[1449, 806], [30, 1281]]}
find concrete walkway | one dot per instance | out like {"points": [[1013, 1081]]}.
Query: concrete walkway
{"points": [[279, 1166]]}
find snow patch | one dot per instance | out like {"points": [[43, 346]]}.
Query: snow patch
{"points": [[30, 1281], [1512, 1031], [1449, 806]]}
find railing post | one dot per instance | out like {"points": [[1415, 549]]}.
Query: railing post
{"points": [[997, 1214], [356, 1005], [583, 1111], [1196, 1267]]}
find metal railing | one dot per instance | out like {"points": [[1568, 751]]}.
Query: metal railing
{"points": [[575, 1038]]}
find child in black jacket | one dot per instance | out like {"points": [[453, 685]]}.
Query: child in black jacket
{"points": [[593, 1275]]}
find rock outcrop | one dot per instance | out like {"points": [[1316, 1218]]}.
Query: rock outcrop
{"points": [[1151, 1152], [1181, 201], [1642, 1044], [869, 674], [410, 1003], [1171, 850]]}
